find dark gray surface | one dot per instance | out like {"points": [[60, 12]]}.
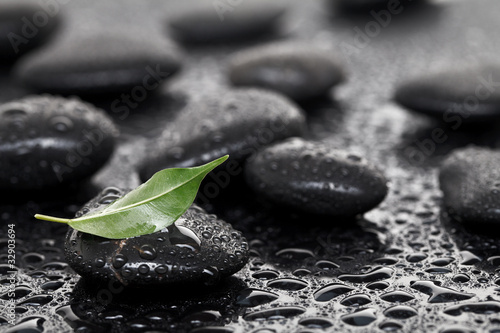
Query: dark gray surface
{"points": [[409, 225]]}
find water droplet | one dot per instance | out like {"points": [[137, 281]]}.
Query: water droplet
{"points": [[52, 285], [397, 296], [19, 292], [380, 285], [313, 323], [326, 265], [416, 257], [360, 318], [61, 124], [265, 275], [400, 312], [356, 300], [99, 262], [331, 291], [461, 278], [295, 254], [439, 294], [438, 270], [33, 258], [147, 252], [37, 300], [374, 275], [469, 258], [288, 284], [275, 313], [143, 269], [390, 326], [119, 260], [442, 261], [301, 272], [484, 308], [254, 297], [29, 324]]}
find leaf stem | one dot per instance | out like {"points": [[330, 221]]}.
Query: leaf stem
{"points": [[52, 219]]}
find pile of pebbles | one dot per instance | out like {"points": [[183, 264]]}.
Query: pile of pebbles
{"points": [[82, 84]]}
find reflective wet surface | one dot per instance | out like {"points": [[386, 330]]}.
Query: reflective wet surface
{"points": [[405, 266]]}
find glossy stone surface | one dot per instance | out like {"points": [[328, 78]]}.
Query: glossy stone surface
{"points": [[107, 63], [314, 178], [394, 6], [220, 21], [197, 249], [408, 226], [236, 122], [470, 181], [299, 71], [48, 141], [455, 96]]}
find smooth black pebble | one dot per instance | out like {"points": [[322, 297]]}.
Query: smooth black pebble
{"points": [[393, 7], [237, 122], [47, 141], [470, 181], [226, 21], [314, 178], [197, 248], [24, 25], [99, 64], [295, 70], [455, 96]]}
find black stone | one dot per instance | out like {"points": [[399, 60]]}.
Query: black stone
{"points": [[237, 122], [99, 64], [394, 7], [197, 248], [314, 178], [298, 71], [24, 25], [470, 181], [47, 141], [220, 21], [455, 96]]}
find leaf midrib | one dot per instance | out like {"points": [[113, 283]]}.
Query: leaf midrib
{"points": [[140, 202]]}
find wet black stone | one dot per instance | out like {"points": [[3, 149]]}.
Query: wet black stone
{"points": [[299, 71], [395, 7], [99, 64], [468, 95], [176, 254], [315, 178], [470, 181], [222, 21], [47, 141], [24, 25], [236, 122]]}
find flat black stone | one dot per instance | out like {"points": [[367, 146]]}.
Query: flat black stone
{"points": [[470, 181], [455, 96], [234, 122], [99, 64], [299, 71], [314, 178], [220, 21], [198, 248], [366, 5], [48, 141]]}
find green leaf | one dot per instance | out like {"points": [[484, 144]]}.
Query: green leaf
{"points": [[152, 206]]}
